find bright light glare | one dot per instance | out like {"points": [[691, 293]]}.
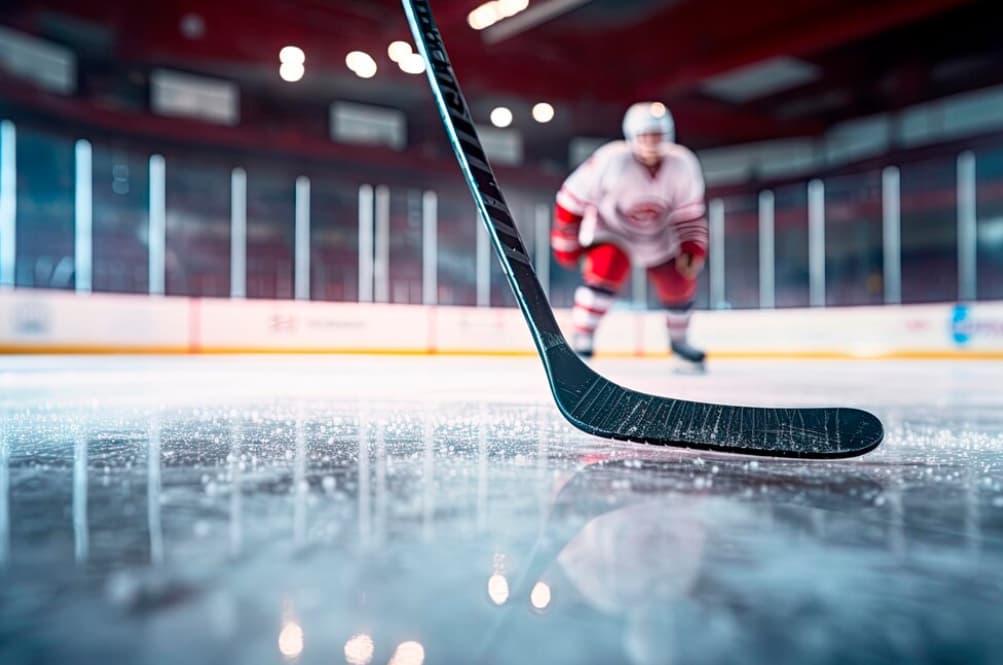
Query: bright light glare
{"points": [[490, 13], [291, 71], [484, 16], [291, 640], [359, 60], [540, 596], [398, 50], [501, 117], [658, 109], [408, 653], [412, 63], [292, 54], [498, 589], [359, 649], [543, 112], [361, 63], [511, 7]]}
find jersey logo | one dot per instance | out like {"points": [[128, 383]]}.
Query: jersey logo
{"points": [[645, 216]]}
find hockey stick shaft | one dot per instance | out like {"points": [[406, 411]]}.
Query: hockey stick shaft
{"points": [[588, 400], [494, 212]]}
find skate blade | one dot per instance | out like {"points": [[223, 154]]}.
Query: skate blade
{"points": [[687, 367]]}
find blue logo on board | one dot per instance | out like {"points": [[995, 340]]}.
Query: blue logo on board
{"points": [[961, 330]]}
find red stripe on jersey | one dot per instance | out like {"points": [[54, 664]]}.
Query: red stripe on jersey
{"points": [[591, 310], [565, 217], [698, 222]]}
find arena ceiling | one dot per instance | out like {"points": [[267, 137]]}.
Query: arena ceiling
{"points": [[731, 72]]}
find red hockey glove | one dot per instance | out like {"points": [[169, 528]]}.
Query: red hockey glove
{"points": [[691, 259], [564, 238]]}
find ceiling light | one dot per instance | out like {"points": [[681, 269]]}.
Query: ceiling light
{"points": [[291, 71], [193, 26], [361, 63], [543, 112], [484, 16], [491, 12], [511, 7], [292, 54], [398, 50], [412, 63], [501, 117]]}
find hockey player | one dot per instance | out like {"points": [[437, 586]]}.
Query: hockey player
{"points": [[635, 201]]}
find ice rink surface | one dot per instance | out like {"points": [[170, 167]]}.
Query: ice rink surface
{"points": [[404, 510]]}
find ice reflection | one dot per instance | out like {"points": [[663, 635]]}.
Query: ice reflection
{"points": [[428, 472], [4, 494], [482, 467], [236, 466], [498, 589], [359, 649], [81, 538], [153, 486], [291, 640], [380, 498], [300, 486], [408, 653], [539, 597], [973, 541], [616, 552], [365, 506]]}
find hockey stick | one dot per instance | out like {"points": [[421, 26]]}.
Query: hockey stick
{"points": [[589, 401]]}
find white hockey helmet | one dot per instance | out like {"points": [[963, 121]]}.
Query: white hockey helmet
{"points": [[649, 118]]}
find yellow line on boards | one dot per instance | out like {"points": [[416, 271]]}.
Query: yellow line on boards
{"points": [[73, 349], [157, 351]]}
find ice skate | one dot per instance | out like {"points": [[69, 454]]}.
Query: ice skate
{"points": [[687, 359]]}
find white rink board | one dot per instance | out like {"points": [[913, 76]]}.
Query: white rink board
{"points": [[51, 321], [863, 331], [480, 330], [289, 325], [54, 320]]}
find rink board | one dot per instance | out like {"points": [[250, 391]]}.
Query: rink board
{"points": [[37, 321]]}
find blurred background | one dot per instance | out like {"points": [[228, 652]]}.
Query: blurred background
{"points": [[291, 149]]}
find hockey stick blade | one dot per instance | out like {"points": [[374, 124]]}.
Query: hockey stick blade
{"points": [[589, 401]]}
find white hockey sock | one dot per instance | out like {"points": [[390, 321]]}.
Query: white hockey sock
{"points": [[678, 321], [590, 306]]}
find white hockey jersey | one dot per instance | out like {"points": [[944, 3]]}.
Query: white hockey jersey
{"points": [[647, 214]]}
